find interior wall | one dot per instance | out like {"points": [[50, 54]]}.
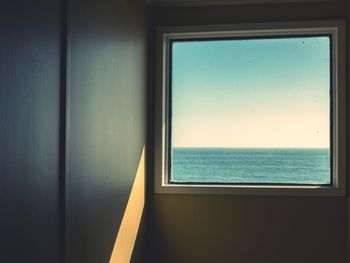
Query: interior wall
{"points": [[107, 89], [29, 134], [204, 228], [348, 111], [100, 75]]}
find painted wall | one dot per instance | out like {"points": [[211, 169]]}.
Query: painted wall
{"points": [[225, 2], [348, 111], [199, 228], [107, 83], [29, 134]]}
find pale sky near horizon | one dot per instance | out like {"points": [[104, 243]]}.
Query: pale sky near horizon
{"points": [[251, 93]]}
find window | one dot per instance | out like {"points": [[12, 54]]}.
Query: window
{"points": [[251, 109]]}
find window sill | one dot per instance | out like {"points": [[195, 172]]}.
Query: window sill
{"points": [[265, 190]]}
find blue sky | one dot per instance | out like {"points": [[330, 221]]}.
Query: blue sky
{"points": [[251, 93]]}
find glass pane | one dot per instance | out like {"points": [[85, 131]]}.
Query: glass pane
{"points": [[251, 111]]}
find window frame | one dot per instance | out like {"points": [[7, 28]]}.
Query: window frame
{"points": [[334, 28]]}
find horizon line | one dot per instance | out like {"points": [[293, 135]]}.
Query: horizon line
{"points": [[248, 147]]}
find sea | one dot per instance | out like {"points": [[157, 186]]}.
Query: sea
{"points": [[308, 166]]}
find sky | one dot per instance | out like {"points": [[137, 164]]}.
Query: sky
{"points": [[251, 93]]}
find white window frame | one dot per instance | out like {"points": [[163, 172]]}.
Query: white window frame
{"points": [[335, 28]]}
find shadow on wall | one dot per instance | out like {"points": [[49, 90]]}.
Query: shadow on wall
{"points": [[126, 237]]}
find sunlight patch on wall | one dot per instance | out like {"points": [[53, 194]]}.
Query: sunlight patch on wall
{"points": [[127, 233]]}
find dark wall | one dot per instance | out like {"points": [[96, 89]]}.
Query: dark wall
{"points": [[247, 229], [104, 68], [29, 134], [348, 126], [165, 16], [107, 89]]}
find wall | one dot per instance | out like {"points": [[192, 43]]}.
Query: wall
{"points": [[348, 111], [107, 89], [225, 2], [56, 199], [29, 134], [199, 228]]}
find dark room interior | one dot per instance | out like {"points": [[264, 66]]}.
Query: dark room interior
{"points": [[79, 138]]}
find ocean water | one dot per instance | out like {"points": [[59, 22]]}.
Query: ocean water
{"points": [[250, 165]]}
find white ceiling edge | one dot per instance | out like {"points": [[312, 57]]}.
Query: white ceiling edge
{"points": [[227, 2]]}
